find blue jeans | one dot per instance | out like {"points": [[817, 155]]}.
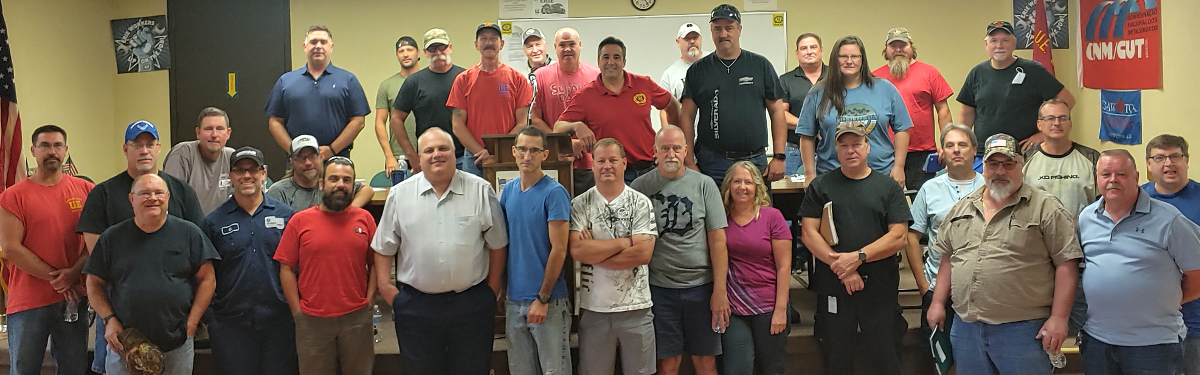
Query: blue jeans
{"points": [[632, 174], [1100, 358], [175, 362], [543, 348], [715, 165], [466, 163], [27, 334], [748, 340], [793, 163], [99, 360], [1191, 356], [267, 348], [1008, 348]]}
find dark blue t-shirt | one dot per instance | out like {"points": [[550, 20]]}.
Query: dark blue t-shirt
{"points": [[321, 107], [1187, 201], [528, 213], [248, 292]]}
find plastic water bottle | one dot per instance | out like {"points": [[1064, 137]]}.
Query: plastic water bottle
{"points": [[1058, 360], [71, 313], [376, 319]]}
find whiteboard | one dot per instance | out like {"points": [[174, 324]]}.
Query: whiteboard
{"points": [[650, 40]]}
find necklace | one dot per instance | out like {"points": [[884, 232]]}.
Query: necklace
{"points": [[730, 66]]}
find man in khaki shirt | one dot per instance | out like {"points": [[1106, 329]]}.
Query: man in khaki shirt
{"points": [[1009, 264]]}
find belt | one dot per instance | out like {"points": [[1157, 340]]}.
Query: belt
{"points": [[734, 154], [793, 145], [640, 165]]}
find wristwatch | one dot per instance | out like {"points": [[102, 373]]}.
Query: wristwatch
{"points": [[543, 299], [780, 156], [862, 256]]}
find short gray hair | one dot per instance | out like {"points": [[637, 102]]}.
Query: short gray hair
{"points": [[970, 133]]}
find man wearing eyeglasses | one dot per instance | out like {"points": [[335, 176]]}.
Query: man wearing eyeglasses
{"points": [[108, 203], [1014, 251], [204, 162], [1167, 163], [300, 190], [153, 273], [252, 329], [424, 95]]}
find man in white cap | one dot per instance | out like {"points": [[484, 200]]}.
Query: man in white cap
{"points": [[300, 190], [690, 42], [535, 49]]}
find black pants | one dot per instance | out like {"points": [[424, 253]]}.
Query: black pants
{"points": [[446, 333], [914, 170], [861, 324]]}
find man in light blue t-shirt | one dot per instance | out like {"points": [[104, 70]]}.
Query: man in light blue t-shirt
{"points": [[537, 312], [1167, 163], [1143, 261]]}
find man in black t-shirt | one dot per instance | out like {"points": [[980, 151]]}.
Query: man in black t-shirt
{"points": [[731, 88], [108, 203], [796, 84], [857, 279], [424, 94], [153, 273]]}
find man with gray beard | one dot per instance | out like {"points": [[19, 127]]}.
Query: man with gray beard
{"points": [[924, 92], [1016, 253]]}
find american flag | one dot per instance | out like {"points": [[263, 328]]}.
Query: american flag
{"points": [[11, 158]]}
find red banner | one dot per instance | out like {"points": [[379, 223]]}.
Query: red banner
{"points": [[1041, 37], [1122, 44]]}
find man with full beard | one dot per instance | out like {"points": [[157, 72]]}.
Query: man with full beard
{"points": [[408, 54], [1016, 253], [330, 300], [924, 92], [489, 98]]}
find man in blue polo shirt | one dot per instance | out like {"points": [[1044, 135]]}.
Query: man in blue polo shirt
{"points": [[318, 99], [252, 329], [1143, 262]]}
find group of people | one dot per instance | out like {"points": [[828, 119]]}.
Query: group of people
{"points": [[678, 248]]}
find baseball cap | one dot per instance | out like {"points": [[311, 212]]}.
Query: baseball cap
{"points": [[246, 153], [487, 25], [299, 143], [686, 29], [853, 127], [725, 11], [530, 33], [898, 33], [1001, 144], [406, 41], [138, 127], [435, 36], [1000, 25]]}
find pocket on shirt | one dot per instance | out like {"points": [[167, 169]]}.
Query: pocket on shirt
{"points": [[463, 228], [177, 264], [1025, 233]]}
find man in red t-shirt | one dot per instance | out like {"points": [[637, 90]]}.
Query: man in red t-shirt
{"points": [[37, 231], [924, 91], [618, 106], [329, 245], [489, 98], [556, 84]]}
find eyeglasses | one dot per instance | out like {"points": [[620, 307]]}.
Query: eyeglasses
{"points": [[1063, 118], [849, 57], [151, 193], [138, 146], [56, 146], [239, 171], [1175, 158], [522, 150], [1008, 165], [312, 157], [437, 48]]}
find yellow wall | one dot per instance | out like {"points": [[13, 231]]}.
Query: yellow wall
{"points": [[66, 70]]}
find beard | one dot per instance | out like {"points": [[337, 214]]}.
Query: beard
{"points": [[51, 164], [1000, 192], [334, 201], [693, 52], [899, 66], [671, 165]]}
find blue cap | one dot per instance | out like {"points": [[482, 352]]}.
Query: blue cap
{"points": [[139, 127]]}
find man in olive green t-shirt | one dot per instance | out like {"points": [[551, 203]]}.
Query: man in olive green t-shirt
{"points": [[408, 55]]}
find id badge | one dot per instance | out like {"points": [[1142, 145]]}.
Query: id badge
{"points": [[1020, 77]]}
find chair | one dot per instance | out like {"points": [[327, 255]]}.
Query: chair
{"points": [[381, 180]]}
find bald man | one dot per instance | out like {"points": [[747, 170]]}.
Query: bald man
{"points": [[556, 85]]}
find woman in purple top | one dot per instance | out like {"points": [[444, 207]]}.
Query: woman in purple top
{"points": [[760, 263]]}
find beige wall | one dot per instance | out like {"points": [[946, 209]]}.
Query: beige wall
{"points": [[66, 73]]}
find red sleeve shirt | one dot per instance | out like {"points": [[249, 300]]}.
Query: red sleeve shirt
{"points": [[921, 88], [49, 215], [491, 99], [331, 251], [623, 116]]}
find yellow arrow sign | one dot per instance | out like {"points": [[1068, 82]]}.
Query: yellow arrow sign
{"points": [[232, 85]]}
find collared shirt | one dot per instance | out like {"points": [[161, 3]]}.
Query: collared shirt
{"points": [[318, 107], [248, 292], [623, 116], [795, 88], [1187, 200], [441, 243], [1134, 271], [1002, 271], [929, 209]]}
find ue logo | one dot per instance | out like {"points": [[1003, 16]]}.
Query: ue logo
{"points": [[1106, 11]]}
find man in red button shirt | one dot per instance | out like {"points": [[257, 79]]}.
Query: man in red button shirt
{"points": [[618, 106]]}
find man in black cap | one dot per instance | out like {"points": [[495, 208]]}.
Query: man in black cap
{"points": [[1003, 94], [535, 49], [252, 328], [743, 84], [408, 54], [489, 98]]}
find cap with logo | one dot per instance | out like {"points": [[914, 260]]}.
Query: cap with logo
{"points": [[247, 153], [725, 11], [1001, 144], [299, 143], [435, 36], [852, 127], [1000, 25], [487, 26], [686, 29], [136, 128], [406, 41], [530, 33], [898, 33]]}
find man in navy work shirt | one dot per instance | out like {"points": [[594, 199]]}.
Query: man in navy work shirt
{"points": [[318, 99], [252, 330]]}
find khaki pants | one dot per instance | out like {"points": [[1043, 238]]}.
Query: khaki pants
{"points": [[323, 343]]}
